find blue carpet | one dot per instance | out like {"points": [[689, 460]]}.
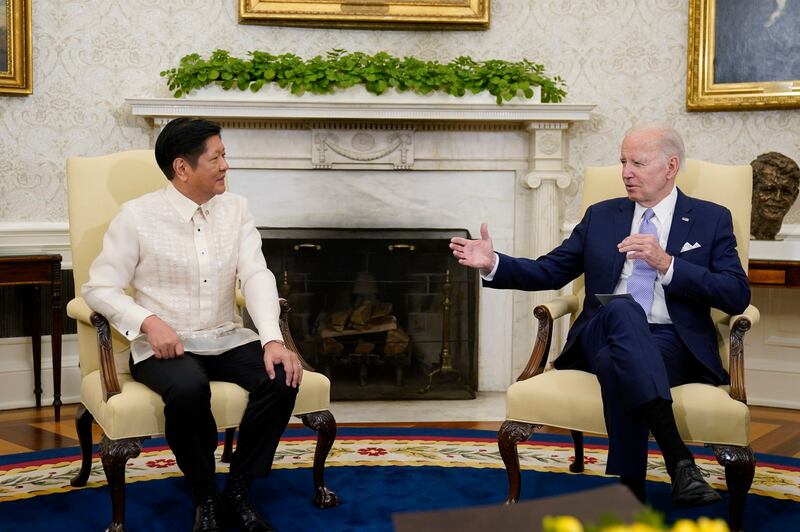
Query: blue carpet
{"points": [[371, 493]]}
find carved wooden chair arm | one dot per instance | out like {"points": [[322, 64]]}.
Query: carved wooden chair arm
{"points": [[80, 311], [287, 334], [105, 350], [284, 325], [546, 314], [739, 325]]}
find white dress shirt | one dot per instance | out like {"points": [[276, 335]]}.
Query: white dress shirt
{"points": [[663, 212], [182, 261], [663, 221]]}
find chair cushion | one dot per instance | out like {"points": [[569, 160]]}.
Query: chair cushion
{"points": [[570, 399], [137, 411]]}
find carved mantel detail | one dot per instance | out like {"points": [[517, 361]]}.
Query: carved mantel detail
{"points": [[344, 147]]}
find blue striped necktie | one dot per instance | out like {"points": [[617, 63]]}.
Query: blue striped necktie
{"points": [[641, 283]]}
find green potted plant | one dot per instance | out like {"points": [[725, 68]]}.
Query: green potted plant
{"points": [[377, 74]]}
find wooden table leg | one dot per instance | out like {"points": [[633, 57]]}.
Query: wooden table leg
{"points": [[36, 343], [55, 306]]}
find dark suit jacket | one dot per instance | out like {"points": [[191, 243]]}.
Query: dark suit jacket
{"points": [[705, 277]]}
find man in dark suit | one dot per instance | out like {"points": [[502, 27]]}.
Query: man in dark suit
{"points": [[676, 256]]}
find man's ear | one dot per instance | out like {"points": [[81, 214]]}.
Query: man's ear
{"points": [[179, 166], [673, 166]]}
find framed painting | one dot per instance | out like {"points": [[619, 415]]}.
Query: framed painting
{"points": [[743, 55], [15, 47], [387, 14]]}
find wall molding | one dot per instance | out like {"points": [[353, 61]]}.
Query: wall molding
{"points": [[771, 365], [31, 238]]}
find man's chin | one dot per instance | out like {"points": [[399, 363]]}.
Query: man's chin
{"points": [[773, 214]]}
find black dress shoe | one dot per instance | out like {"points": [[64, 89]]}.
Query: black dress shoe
{"points": [[241, 513], [206, 516], [689, 488]]}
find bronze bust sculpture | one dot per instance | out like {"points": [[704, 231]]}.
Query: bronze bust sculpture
{"points": [[776, 181]]}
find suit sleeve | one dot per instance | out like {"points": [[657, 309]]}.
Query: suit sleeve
{"points": [[549, 272], [722, 285]]}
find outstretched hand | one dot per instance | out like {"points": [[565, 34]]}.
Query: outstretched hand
{"points": [[475, 253]]}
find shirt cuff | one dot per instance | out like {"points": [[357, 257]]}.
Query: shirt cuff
{"points": [[490, 276], [268, 333], [131, 322], [667, 277]]}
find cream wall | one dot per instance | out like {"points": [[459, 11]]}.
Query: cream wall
{"points": [[629, 57]]}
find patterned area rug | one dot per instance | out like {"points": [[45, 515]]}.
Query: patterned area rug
{"points": [[377, 471]]}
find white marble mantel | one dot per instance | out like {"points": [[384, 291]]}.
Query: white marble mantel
{"points": [[403, 160], [356, 104]]}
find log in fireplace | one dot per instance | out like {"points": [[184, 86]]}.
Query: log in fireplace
{"points": [[384, 313]]}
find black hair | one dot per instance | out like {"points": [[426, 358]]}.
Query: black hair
{"points": [[185, 138]]}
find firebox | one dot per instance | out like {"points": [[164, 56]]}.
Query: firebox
{"points": [[384, 313]]}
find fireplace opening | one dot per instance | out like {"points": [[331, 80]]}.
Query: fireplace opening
{"points": [[384, 313]]}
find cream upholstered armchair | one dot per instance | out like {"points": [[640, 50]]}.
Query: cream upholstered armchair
{"points": [[570, 399], [127, 411]]}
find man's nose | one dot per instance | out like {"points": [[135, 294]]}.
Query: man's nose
{"points": [[626, 171]]}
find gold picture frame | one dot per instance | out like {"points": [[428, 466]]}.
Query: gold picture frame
{"points": [[732, 58], [16, 76], [385, 14]]}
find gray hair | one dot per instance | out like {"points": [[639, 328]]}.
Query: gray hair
{"points": [[669, 140]]}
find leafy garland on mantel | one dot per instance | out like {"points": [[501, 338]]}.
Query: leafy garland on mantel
{"points": [[378, 73]]}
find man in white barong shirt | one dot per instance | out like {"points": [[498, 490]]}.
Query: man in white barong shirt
{"points": [[182, 249]]}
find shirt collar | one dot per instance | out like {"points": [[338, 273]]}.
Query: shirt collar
{"points": [[663, 210], [183, 205]]}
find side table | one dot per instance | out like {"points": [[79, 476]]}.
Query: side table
{"points": [[774, 273], [34, 271]]}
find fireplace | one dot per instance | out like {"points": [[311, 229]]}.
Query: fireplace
{"points": [[384, 313]]}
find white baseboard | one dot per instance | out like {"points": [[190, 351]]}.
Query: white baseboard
{"points": [[16, 372]]}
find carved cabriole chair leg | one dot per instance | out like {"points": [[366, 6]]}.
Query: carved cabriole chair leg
{"points": [[115, 454], [510, 434], [227, 448], [324, 424], [83, 426], [577, 464], [740, 467]]}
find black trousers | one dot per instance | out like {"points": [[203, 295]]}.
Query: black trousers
{"points": [[635, 363], [183, 384]]}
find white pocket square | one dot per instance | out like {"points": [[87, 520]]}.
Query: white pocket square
{"points": [[688, 247]]}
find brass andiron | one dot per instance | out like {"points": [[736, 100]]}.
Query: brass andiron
{"points": [[445, 358], [285, 288]]}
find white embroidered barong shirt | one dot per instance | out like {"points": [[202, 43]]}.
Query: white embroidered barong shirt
{"points": [[182, 261]]}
